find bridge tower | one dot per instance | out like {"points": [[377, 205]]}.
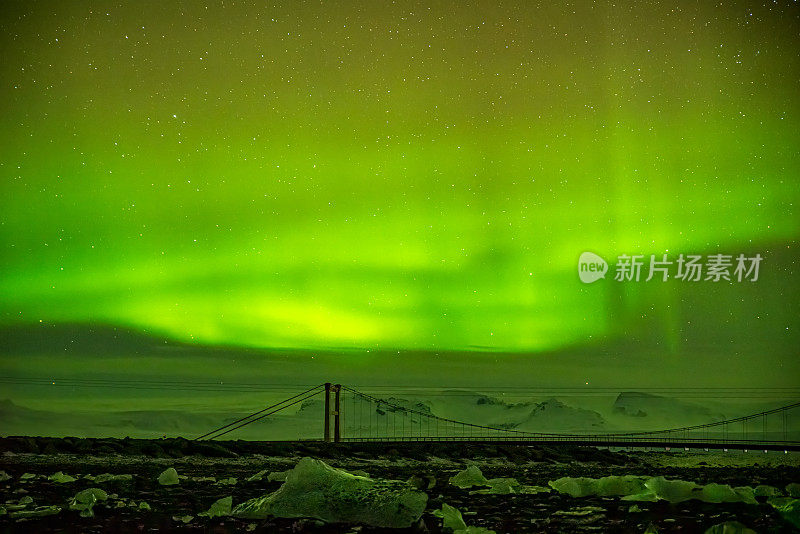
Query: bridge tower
{"points": [[336, 389]]}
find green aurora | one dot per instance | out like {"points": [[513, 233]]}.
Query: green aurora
{"points": [[373, 175]]}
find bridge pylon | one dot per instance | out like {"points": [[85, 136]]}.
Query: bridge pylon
{"points": [[336, 389]]}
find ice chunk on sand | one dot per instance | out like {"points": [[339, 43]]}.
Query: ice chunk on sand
{"points": [[258, 476], [500, 486], [61, 478], [453, 520], [674, 491], [725, 493], [620, 485], [315, 489], [640, 488], [220, 508], [604, 487], [471, 476], [40, 511], [91, 495], [451, 517], [729, 527], [574, 486], [762, 490], [85, 500], [169, 477], [788, 508]]}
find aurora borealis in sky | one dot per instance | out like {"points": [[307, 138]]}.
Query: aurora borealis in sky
{"points": [[405, 175]]}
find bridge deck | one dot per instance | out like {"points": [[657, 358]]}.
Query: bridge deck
{"points": [[596, 441]]}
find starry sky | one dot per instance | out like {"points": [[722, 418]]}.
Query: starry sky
{"points": [[399, 175]]}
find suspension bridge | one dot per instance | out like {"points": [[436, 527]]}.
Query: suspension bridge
{"points": [[349, 415]]}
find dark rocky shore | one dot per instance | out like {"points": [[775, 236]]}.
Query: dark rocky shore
{"points": [[433, 462]]}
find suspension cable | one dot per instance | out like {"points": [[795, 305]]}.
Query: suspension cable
{"points": [[258, 413]]}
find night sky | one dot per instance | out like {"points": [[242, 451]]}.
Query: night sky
{"points": [[376, 175]]}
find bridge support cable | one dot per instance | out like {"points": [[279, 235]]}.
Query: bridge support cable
{"points": [[256, 416], [415, 429], [724, 427]]}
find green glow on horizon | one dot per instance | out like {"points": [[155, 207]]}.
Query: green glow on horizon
{"points": [[359, 177]]}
